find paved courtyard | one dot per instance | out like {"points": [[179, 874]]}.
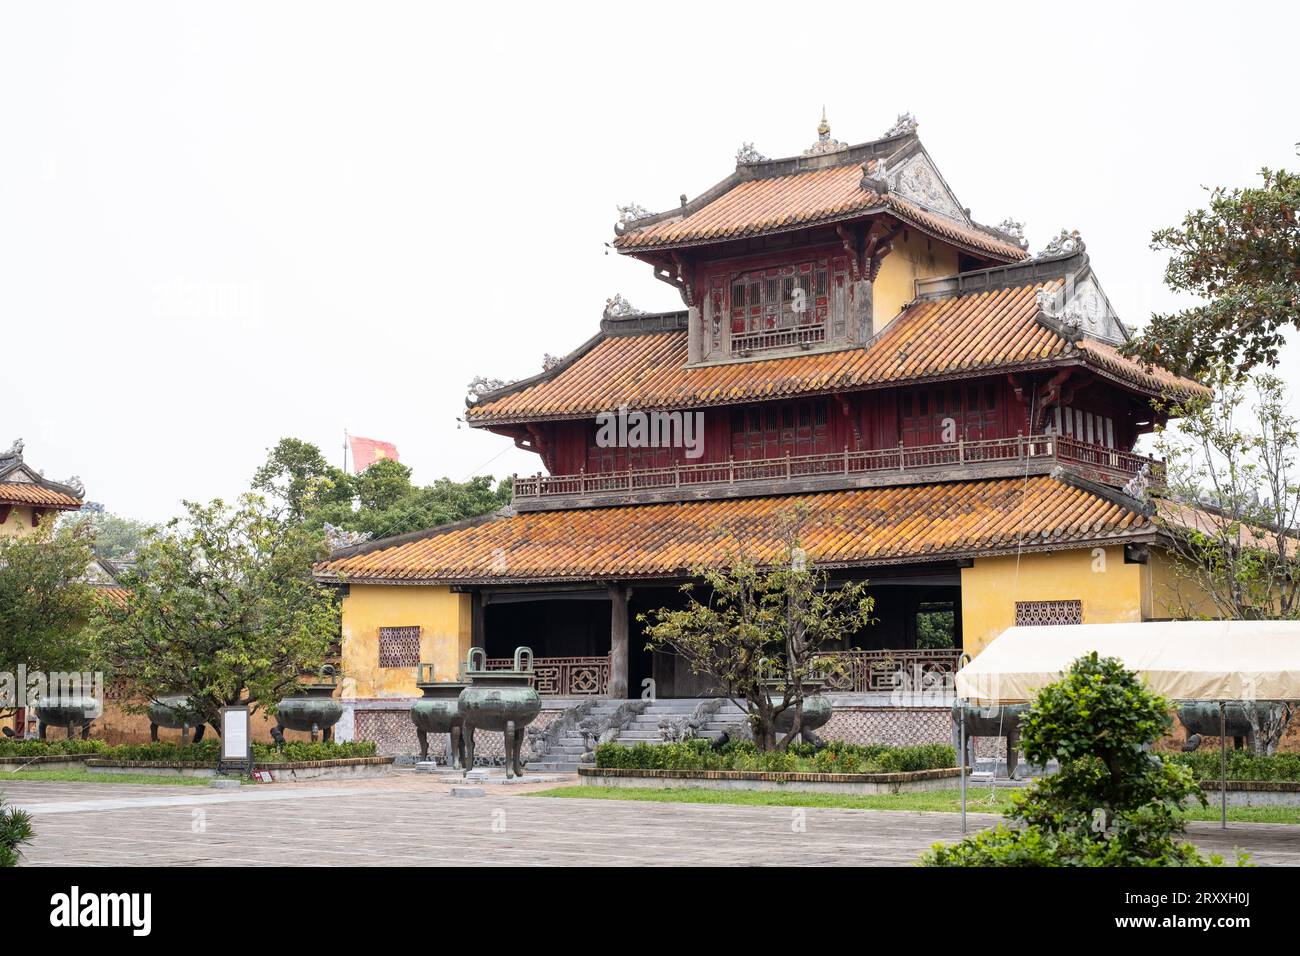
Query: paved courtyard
{"points": [[411, 819]]}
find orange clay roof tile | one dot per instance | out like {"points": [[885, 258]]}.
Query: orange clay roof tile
{"points": [[843, 528], [969, 334], [29, 493], [761, 206]]}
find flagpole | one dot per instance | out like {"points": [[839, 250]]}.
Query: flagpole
{"points": [[345, 451]]}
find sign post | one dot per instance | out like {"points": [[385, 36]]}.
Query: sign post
{"points": [[236, 742]]}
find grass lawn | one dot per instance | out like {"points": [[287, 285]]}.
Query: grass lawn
{"points": [[87, 776], [929, 801]]}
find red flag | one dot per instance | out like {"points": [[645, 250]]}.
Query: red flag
{"points": [[367, 451]]}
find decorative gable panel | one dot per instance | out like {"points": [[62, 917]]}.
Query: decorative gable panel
{"points": [[918, 180]]}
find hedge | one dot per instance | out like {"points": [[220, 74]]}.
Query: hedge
{"points": [[205, 751], [835, 757]]}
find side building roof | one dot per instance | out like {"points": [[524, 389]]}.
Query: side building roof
{"points": [[20, 484]]}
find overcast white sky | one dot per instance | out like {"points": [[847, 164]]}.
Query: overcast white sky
{"points": [[221, 224]]}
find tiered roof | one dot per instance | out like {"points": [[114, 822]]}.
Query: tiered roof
{"points": [[830, 183], [998, 320], [20, 484]]}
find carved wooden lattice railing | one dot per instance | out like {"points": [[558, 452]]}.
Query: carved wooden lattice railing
{"points": [[863, 671], [564, 676], [1106, 463]]}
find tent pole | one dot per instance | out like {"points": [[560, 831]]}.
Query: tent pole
{"points": [[961, 738], [1223, 766]]}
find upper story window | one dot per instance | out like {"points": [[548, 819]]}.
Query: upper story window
{"points": [[774, 431], [779, 307], [940, 414], [1085, 426]]}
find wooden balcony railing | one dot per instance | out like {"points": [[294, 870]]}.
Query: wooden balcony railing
{"points": [[564, 676], [804, 336], [891, 669], [1106, 464]]}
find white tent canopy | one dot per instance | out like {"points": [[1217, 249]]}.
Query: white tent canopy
{"points": [[1181, 660]]}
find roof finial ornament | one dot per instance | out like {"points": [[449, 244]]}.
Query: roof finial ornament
{"points": [[906, 123], [824, 142], [747, 155], [1014, 229], [15, 450], [77, 486], [618, 307], [631, 213], [1067, 243]]}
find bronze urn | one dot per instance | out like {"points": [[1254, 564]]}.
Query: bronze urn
{"points": [[71, 711], [817, 708], [173, 712], [503, 700], [315, 710], [438, 712]]}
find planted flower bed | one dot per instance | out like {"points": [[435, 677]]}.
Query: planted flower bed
{"points": [[839, 767]]}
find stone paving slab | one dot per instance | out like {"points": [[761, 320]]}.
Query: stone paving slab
{"points": [[413, 820]]}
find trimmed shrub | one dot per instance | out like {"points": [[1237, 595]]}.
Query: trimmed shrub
{"points": [[43, 748], [207, 751], [1112, 803], [1242, 765], [835, 757]]}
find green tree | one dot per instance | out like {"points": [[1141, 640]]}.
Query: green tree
{"points": [[1230, 482], [1242, 257], [761, 629], [114, 537], [1112, 803], [222, 607], [45, 603], [381, 501], [1230, 487], [296, 474]]}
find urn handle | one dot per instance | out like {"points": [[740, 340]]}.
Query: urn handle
{"points": [[476, 655], [519, 658]]}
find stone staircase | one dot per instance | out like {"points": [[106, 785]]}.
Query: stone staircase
{"points": [[566, 750], [644, 728]]}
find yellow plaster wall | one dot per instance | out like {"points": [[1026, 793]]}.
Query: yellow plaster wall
{"points": [[914, 256], [1171, 594], [1111, 591], [442, 616], [18, 522]]}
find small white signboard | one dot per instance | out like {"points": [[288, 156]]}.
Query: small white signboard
{"points": [[236, 742]]}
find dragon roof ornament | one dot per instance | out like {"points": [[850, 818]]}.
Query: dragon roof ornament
{"points": [[747, 155], [631, 213], [1068, 243], [906, 123], [618, 307], [1013, 229]]}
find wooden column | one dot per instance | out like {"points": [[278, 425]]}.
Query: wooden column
{"points": [[476, 631], [694, 335], [618, 631]]}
